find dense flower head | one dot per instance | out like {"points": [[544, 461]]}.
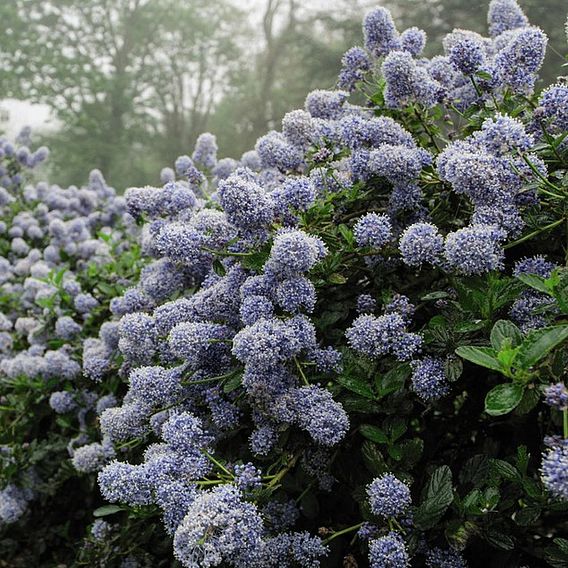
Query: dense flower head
{"points": [[474, 250], [379, 336], [294, 252], [219, 527], [421, 243], [247, 477], [444, 558], [325, 104], [276, 152], [413, 40], [556, 395], [92, 457], [298, 128], [245, 203], [388, 552], [13, 503], [355, 63], [534, 265], [366, 304], [554, 470], [62, 402], [503, 134], [388, 496], [123, 482], [554, 102], [429, 380], [373, 230], [518, 63], [466, 55], [381, 35], [296, 294], [268, 342], [323, 418], [205, 152], [505, 15], [398, 163]]}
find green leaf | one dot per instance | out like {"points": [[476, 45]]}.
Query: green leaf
{"points": [[504, 330], [437, 496], [347, 234], [453, 367], [106, 510], [373, 458], [357, 385], [374, 434], [535, 282], [393, 380], [337, 278], [484, 356], [539, 343], [500, 540], [232, 383], [435, 296], [503, 398]]}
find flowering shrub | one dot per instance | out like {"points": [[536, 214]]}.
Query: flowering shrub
{"points": [[66, 253], [349, 346]]}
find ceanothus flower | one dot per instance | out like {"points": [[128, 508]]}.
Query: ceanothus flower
{"points": [[554, 470], [322, 417], [421, 243], [503, 135], [445, 558], [554, 104], [326, 104], [518, 63], [276, 152], [366, 304], [534, 265], [155, 386], [380, 336], [293, 253], [100, 530], [66, 327], [372, 230], [245, 203], [195, 342], [263, 439], [388, 496], [466, 55], [505, 15], [388, 552], [205, 152], [556, 395], [184, 433], [413, 40], [298, 128], [224, 168], [62, 402], [219, 527], [429, 379], [296, 294], [474, 250], [379, 30], [292, 549], [268, 342], [92, 457], [247, 477], [124, 422], [125, 483], [182, 165], [355, 63], [13, 503]]}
